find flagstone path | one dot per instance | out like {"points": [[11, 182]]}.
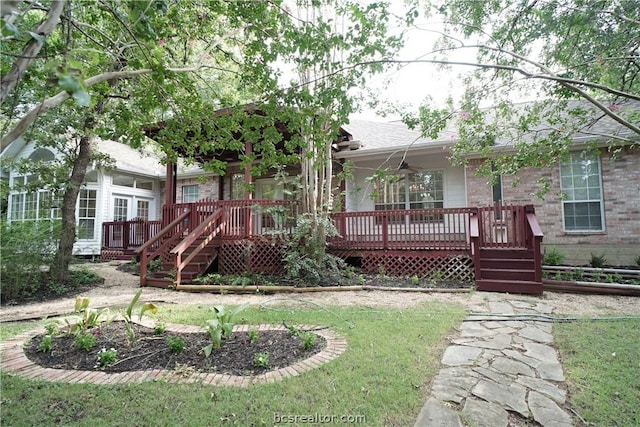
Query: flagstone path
{"points": [[502, 363]]}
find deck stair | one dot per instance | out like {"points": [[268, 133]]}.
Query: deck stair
{"points": [[506, 244]]}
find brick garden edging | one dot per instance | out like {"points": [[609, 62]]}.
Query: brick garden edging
{"points": [[15, 362]]}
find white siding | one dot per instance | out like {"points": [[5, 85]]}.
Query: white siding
{"points": [[358, 190]]}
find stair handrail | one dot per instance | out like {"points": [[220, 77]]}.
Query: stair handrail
{"points": [[142, 250], [536, 242], [474, 236], [208, 225]]}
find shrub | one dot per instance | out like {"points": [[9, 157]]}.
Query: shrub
{"points": [[552, 256], [597, 261], [26, 248], [638, 260], [305, 256], [308, 340], [45, 344], [175, 344], [84, 341], [107, 357]]}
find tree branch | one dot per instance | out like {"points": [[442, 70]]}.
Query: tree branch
{"points": [[30, 51], [60, 97]]}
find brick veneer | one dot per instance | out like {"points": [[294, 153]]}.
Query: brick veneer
{"points": [[620, 242]]}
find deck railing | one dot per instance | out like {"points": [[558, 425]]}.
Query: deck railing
{"points": [[244, 218], [124, 235], [419, 229]]}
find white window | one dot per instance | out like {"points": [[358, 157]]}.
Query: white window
{"points": [[32, 205], [120, 209], [87, 201], [142, 210], [190, 193], [581, 185], [417, 190]]}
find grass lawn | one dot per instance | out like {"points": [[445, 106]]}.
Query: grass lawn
{"points": [[391, 356], [601, 361]]}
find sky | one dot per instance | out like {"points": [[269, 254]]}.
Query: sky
{"points": [[413, 83]]}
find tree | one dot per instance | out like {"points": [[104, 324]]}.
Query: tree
{"points": [[175, 51], [555, 52]]}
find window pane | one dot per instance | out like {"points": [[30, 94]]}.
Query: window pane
{"points": [[190, 193], [144, 184], [86, 214], [123, 180], [120, 209], [580, 181], [143, 210], [85, 229]]}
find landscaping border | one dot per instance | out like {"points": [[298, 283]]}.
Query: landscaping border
{"points": [[15, 362]]}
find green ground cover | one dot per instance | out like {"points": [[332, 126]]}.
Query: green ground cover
{"points": [[601, 361]]}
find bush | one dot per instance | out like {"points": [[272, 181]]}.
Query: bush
{"points": [[552, 256], [27, 247], [305, 257], [597, 261]]}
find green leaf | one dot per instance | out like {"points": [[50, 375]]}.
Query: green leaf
{"points": [[133, 302], [69, 84], [82, 98], [37, 37], [9, 29]]}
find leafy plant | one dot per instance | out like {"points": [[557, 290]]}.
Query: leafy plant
{"points": [[305, 256], [253, 335], [637, 260], [128, 313], [261, 360], [552, 256], [293, 331], [45, 344], [107, 357], [597, 261], [415, 280], [175, 344], [154, 264], [84, 340], [159, 328], [308, 340], [52, 328], [221, 327]]}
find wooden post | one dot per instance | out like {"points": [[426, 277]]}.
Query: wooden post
{"points": [[248, 221], [170, 186]]}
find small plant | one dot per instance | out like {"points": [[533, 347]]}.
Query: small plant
{"points": [[437, 276], [107, 357], [637, 260], [597, 261], [175, 344], [308, 340], [128, 313], [415, 280], [84, 340], [159, 328], [293, 331], [52, 328], [154, 264], [221, 327], [88, 318], [382, 272], [261, 360], [552, 256], [242, 281], [361, 280], [45, 344], [253, 335]]}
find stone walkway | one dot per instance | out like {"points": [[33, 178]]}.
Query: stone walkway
{"points": [[501, 371]]}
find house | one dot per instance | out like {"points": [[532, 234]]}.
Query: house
{"points": [[592, 206], [131, 190]]}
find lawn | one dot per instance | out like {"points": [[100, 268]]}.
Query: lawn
{"points": [[380, 380], [601, 361]]}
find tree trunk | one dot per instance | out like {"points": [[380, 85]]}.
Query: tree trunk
{"points": [[60, 266]]}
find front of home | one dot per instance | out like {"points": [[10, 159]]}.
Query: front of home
{"points": [[404, 203]]}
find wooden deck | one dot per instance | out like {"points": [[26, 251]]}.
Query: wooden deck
{"points": [[497, 245]]}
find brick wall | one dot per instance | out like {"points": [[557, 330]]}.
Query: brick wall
{"points": [[208, 189], [620, 242]]}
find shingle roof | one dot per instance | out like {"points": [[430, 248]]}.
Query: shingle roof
{"points": [[131, 160]]}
